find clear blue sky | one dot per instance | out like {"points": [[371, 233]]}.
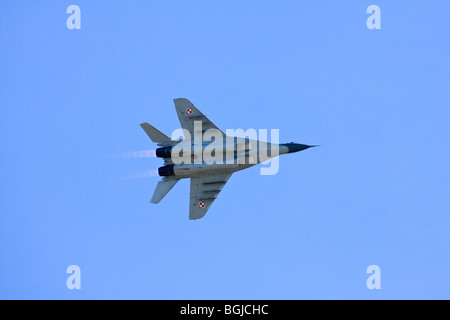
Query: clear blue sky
{"points": [[377, 192]]}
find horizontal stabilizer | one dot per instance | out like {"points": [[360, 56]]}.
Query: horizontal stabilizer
{"points": [[154, 134], [162, 189]]}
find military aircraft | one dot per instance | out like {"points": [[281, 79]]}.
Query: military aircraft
{"points": [[188, 158]]}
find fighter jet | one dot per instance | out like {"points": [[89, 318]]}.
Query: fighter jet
{"points": [[208, 162]]}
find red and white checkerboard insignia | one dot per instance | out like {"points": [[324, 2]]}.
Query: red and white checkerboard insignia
{"points": [[201, 205], [189, 111]]}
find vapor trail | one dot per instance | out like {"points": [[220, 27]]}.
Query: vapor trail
{"points": [[143, 174], [139, 154]]}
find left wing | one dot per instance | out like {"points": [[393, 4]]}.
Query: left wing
{"points": [[204, 190], [188, 113]]}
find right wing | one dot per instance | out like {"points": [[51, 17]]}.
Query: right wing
{"points": [[188, 113], [204, 190]]}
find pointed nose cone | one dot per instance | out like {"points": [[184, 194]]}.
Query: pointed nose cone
{"points": [[296, 147], [304, 146]]}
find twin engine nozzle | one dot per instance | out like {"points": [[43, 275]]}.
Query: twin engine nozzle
{"points": [[166, 171], [164, 152]]}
